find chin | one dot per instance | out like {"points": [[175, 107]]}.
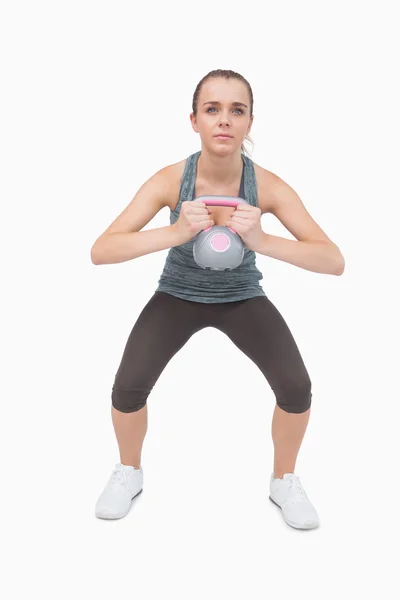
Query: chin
{"points": [[222, 148]]}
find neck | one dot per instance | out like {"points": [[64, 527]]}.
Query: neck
{"points": [[219, 169]]}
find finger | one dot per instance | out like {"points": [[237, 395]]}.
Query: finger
{"points": [[244, 208], [236, 215], [198, 203], [234, 225], [196, 206], [197, 210], [205, 225], [201, 219], [240, 219]]}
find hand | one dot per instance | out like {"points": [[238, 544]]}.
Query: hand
{"points": [[246, 221], [194, 217]]}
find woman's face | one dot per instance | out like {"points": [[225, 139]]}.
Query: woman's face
{"points": [[223, 108]]}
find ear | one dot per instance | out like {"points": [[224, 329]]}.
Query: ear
{"points": [[193, 121]]}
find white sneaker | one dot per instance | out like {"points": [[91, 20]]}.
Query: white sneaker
{"points": [[289, 495], [123, 486]]}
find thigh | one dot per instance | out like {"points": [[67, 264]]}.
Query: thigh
{"points": [[165, 324], [259, 330]]}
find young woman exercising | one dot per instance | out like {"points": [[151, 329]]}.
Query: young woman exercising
{"points": [[189, 298]]}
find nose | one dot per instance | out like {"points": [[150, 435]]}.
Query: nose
{"points": [[225, 119]]}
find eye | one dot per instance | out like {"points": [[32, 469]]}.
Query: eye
{"points": [[235, 109]]}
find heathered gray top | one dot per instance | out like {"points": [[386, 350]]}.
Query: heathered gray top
{"points": [[182, 277]]}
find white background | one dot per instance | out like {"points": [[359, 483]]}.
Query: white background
{"points": [[95, 98]]}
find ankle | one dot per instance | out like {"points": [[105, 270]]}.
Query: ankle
{"points": [[280, 474]]}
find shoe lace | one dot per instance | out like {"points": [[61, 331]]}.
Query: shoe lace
{"points": [[297, 490], [118, 477]]}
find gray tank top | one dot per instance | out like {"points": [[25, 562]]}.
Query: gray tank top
{"points": [[182, 277]]}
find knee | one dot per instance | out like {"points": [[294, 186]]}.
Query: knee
{"points": [[296, 399], [128, 401]]}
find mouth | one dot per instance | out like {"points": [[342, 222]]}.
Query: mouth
{"points": [[224, 136]]}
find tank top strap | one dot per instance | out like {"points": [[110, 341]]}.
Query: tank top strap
{"points": [[188, 180], [250, 182]]}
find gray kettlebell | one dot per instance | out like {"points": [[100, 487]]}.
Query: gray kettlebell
{"points": [[219, 248]]}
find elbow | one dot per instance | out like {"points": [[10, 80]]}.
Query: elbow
{"points": [[339, 271], [94, 255], [339, 265]]}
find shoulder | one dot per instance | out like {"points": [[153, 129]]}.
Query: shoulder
{"points": [[268, 186]]}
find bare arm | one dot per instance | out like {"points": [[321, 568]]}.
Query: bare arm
{"points": [[123, 240], [313, 249], [120, 247]]}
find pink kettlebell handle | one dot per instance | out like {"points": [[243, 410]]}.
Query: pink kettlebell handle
{"points": [[221, 200]]}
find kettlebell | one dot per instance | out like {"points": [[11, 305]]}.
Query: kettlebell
{"points": [[219, 248]]}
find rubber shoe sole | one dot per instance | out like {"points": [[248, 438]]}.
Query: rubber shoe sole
{"points": [[105, 515], [306, 525]]}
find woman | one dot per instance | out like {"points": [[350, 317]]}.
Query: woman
{"points": [[189, 298]]}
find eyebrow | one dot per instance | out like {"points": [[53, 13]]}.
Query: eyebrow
{"points": [[233, 103]]}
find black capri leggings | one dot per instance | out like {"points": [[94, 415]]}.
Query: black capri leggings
{"points": [[255, 326]]}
